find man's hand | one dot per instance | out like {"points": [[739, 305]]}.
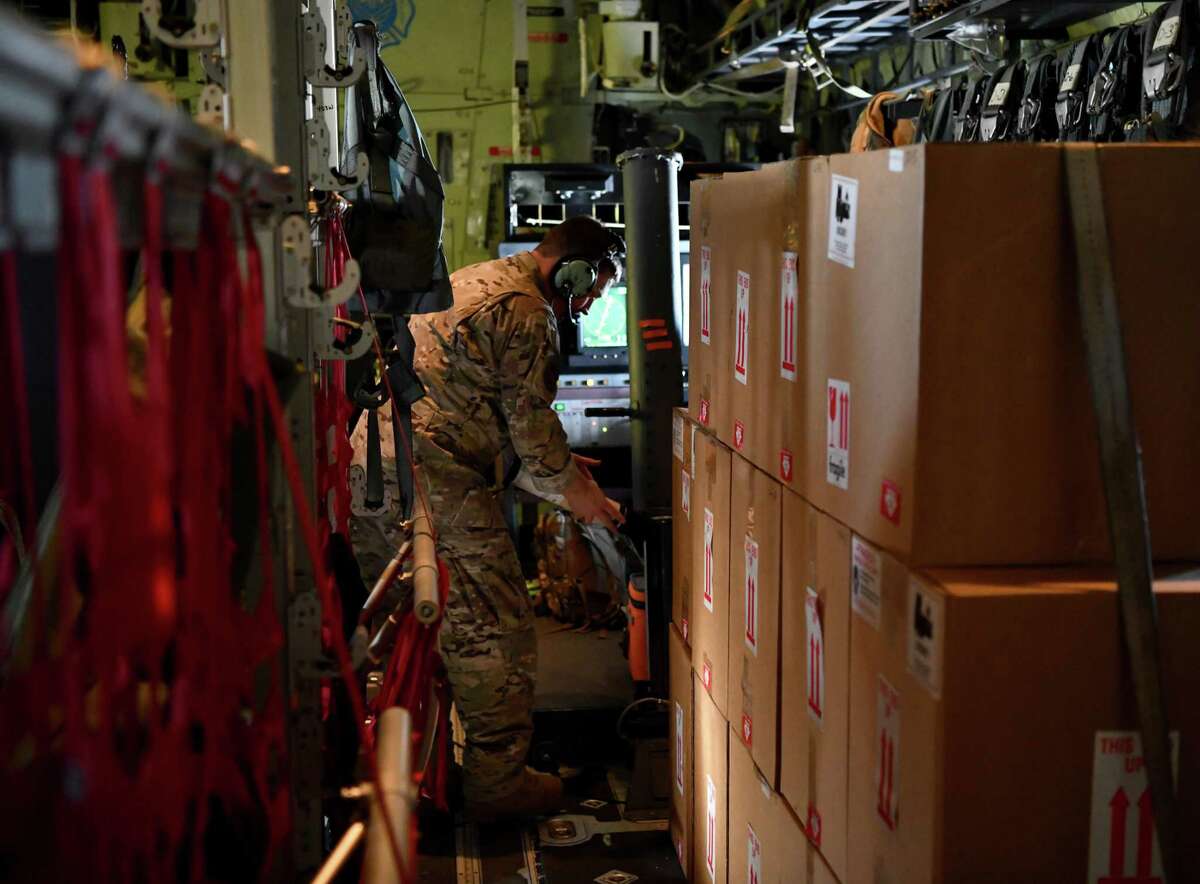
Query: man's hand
{"points": [[584, 464], [589, 504]]}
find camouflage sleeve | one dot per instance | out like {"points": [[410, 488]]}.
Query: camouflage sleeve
{"points": [[528, 384]]}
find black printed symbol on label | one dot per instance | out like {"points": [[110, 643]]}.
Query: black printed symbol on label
{"points": [[843, 206], [922, 617]]}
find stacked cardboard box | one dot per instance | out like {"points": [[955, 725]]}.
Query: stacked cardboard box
{"points": [[888, 393]]}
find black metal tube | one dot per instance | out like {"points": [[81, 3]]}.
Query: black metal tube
{"points": [[651, 194]]}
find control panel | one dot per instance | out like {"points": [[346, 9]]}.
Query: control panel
{"points": [[585, 405]]}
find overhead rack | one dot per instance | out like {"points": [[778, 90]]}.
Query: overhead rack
{"points": [[1019, 18], [760, 42]]}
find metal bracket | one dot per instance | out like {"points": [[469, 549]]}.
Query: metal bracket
{"points": [[361, 340], [298, 289], [321, 173], [304, 634], [202, 30], [210, 111], [351, 64], [571, 830]]}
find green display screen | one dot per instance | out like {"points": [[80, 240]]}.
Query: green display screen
{"points": [[604, 325]]}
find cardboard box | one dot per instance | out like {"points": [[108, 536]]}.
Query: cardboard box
{"points": [[683, 739], [802, 864], [683, 431], [992, 724], [949, 409], [710, 853], [754, 550], [815, 679], [711, 312], [710, 568], [756, 851]]}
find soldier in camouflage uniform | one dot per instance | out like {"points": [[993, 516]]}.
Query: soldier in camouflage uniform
{"points": [[490, 368]]}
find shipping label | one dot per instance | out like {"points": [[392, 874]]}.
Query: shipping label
{"points": [[685, 494], [708, 559], [750, 594], [1123, 846], [837, 434], [679, 748], [741, 350], [753, 857], [926, 639], [788, 297], [843, 220], [710, 828], [816, 655], [866, 596], [887, 768], [677, 436], [705, 294]]}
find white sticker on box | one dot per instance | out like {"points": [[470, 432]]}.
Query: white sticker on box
{"points": [[677, 436], [843, 220], [865, 585], [741, 350], [788, 298], [705, 294], [895, 160], [926, 635], [708, 559], [685, 494], [1123, 846], [679, 743], [887, 766], [837, 433], [1167, 32], [816, 655], [750, 595], [753, 857], [710, 828]]}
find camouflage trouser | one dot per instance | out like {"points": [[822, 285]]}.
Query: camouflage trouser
{"points": [[487, 637]]}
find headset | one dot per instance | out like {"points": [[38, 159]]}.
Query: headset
{"points": [[574, 275]]}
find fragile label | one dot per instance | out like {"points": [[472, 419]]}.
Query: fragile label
{"points": [[837, 434], [708, 559], [739, 435], [710, 828], [889, 501], [741, 350], [895, 160], [865, 589], [703, 420], [813, 825], [816, 655], [887, 732], [751, 595], [677, 436], [705, 294], [843, 220], [679, 737], [1123, 846], [927, 623], [706, 675], [747, 729], [788, 293], [754, 857], [786, 465], [685, 494]]}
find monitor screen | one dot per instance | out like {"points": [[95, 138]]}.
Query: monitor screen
{"points": [[604, 325]]}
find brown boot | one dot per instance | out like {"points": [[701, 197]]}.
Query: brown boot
{"points": [[537, 794]]}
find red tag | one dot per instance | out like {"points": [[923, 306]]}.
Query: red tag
{"points": [[548, 37], [706, 676], [704, 412], [889, 501], [747, 730], [739, 435], [814, 826], [683, 627], [785, 465]]}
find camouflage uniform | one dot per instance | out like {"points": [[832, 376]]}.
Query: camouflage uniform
{"points": [[490, 368]]}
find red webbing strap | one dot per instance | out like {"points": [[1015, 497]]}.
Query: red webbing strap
{"points": [[16, 474]]}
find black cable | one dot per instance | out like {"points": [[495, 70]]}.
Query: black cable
{"points": [[434, 110]]}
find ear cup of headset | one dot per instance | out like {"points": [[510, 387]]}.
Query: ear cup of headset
{"points": [[575, 277]]}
